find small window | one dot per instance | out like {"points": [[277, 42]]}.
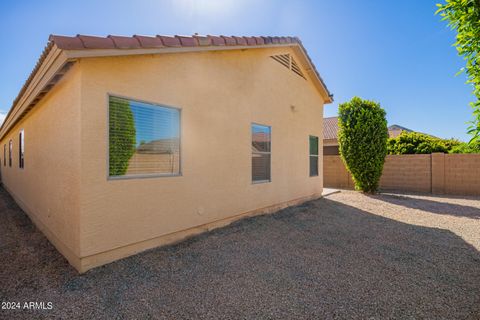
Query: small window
{"points": [[144, 139], [4, 155], [10, 150], [21, 149], [313, 156], [261, 153]]}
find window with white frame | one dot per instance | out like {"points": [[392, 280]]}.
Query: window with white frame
{"points": [[313, 142], [10, 150], [144, 138], [261, 153], [21, 149]]}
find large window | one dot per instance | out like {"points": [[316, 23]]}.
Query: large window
{"points": [[21, 149], [144, 139], [261, 153], [313, 156], [10, 150]]}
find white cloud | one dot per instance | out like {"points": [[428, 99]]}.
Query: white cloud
{"points": [[2, 117]]}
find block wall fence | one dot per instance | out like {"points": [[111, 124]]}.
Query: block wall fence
{"points": [[438, 173]]}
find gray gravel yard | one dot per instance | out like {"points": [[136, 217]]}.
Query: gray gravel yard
{"points": [[346, 256]]}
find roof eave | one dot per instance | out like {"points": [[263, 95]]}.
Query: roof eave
{"points": [[48, 71], [308, 64], [55, 61]]}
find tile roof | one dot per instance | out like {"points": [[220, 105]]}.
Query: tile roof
{"points": [[86, 42], [395, 130], [396, 127], [80, 42], [330, 128]]}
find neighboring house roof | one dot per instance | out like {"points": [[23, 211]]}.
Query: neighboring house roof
{"points": [[330, 129], [395, 127], [62, 51], [260, 141], [395, 130]]}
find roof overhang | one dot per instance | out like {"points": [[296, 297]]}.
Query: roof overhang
{"points": [[55, 62], [51, 67]]}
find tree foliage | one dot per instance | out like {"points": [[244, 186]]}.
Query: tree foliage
{"points": [[363, 141], [122, 136], [464, 17], [473, 147], [419, 143]]}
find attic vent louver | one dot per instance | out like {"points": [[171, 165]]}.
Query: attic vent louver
{"points": [[288, 61]]}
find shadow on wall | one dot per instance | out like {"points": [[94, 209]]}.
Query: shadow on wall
{"points": [[437, 207], [322, 259]]}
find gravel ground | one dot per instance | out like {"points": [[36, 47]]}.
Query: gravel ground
{"points": [[346, 256]]}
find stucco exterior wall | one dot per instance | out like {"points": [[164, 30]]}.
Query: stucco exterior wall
{"points": [[220, 95], [48, 188]]}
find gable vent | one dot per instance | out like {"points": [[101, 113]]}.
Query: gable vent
{"points": [[288, 61]]}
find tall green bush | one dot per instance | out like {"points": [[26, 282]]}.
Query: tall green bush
{"points": [[122, 136], [363, 141]]}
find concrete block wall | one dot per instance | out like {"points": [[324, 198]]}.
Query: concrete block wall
{"points": [[462, 174], [438, 173], [407, 173], [335, 175]]}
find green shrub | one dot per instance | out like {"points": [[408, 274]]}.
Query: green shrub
{"points": [[122, 136], [472, 147], [363, 141], [463, 16], [419, 143]]}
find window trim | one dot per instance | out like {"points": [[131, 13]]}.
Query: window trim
{"points": [[141, 176], [313, 155], [21, 153], [5, 155], [260, 152], [10, 151]]}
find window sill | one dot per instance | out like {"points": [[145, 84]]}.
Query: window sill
{"points": [[261, 181], [144, 176]]}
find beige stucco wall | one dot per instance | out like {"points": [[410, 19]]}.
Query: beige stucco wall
{"points": [[48, 188], [220, 94]]}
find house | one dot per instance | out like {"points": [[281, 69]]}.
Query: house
{"points": [[395, 130], [119, 144], [330, 135]]}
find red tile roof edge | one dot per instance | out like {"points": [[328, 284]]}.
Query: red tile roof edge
{"points": [[81, 42], [86, 42]]}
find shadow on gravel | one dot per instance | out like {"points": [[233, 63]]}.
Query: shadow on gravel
{"points": [[322, 259], [437, 207]]}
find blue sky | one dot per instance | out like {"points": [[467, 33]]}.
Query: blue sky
{"points": [[397, 53]]}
